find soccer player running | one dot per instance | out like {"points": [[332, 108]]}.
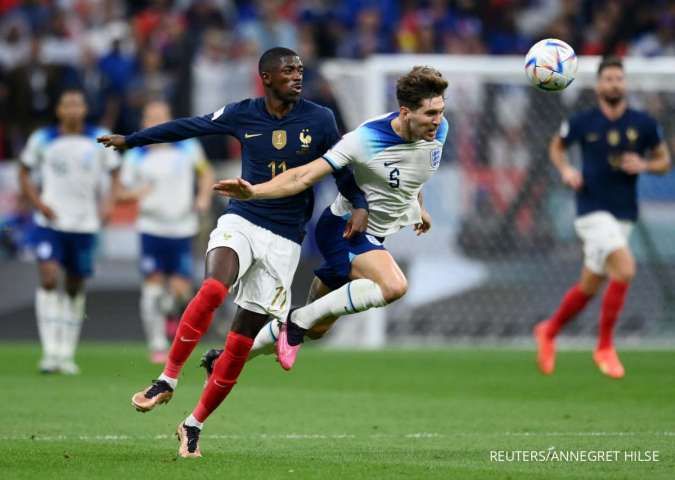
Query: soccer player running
{"points": [[255, 245], [392, 157], [617, 144], [68, 214], [162, 179]]}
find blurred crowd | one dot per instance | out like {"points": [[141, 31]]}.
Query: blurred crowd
{"points": [[201, 54]]}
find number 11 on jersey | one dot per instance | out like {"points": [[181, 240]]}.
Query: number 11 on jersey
{"points": [[273, 167]]}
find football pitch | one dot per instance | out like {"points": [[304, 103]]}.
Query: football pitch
{"points": [[409, 414]]}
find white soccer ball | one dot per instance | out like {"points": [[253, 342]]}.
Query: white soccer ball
{"points": [[551, 64]]}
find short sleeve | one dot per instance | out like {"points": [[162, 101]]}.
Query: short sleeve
{"points": [[653, 133], [197, 155], [348, 150], [32, 153], [570, 130]]}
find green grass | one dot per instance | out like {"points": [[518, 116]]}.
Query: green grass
{"points": [[407, 414]]}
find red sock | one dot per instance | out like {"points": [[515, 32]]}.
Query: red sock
{"points": [[612, 303], [225, 374], [572, 303], [193, 324]]}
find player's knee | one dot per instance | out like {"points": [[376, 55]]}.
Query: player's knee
{"points": [[392, 290], [625, 274], [212, 292]]}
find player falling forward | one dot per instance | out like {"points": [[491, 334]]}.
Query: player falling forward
{"points": [[162, 179], [617, 143], [392, 156], [71, 166], [255, 245]]}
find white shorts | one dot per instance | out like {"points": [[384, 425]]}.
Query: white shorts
{"points": [[601, 233], [267, 264]]}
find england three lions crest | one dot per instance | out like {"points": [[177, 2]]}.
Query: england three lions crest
{"points": [[435, 158]]}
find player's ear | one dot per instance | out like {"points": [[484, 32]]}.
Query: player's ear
{"points": [[266, 78]]}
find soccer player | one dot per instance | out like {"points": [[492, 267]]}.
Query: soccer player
{"points": [[392, 157], [162, 178], [617, 144], [255, 245], [70, 166]]}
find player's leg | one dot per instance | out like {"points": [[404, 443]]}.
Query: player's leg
{"points": [[225, 372], [152, 316], [74, 302], [620, 266], [181, 273], [229, 256], [48, 312]]}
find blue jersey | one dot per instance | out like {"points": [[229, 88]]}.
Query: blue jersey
{"points": [[606, 187], [270, 146]]}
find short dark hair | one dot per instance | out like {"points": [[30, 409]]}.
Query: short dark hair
{"points": [[271, 58], [420, 83], [608, 62]]}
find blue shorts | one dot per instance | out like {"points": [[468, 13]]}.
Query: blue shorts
{"points": [[338, 252], [170, 256], [74, 251]]}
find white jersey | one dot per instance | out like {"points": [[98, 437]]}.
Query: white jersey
{"points": [[71, 170], [169, 170], [389, 170]]}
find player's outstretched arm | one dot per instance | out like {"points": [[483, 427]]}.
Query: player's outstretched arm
{"points": [[289, 183], [570, 175], [173, 131]]}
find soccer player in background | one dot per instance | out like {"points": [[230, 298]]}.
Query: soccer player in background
{"points": [[162, 179], [255, 246], [392, 157], [71, 167], [617, 144]]}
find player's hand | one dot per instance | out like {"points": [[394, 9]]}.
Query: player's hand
{"points": [[47, 212], [425, 225], [572, 177], [115, 141], [358, 223], [234, 188], [632, 163]]}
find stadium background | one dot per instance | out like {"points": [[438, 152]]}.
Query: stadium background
{"points": [[502, 249]]}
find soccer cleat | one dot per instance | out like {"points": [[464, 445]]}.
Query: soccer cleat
{"points": [[48, 364], [156, 394], [209, 359], [545, 349], [286, 354], [158, 357], [69, 367], [189, 441], [608, 362]]}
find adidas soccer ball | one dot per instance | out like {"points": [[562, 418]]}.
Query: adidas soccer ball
{"points": [[551, 64]]}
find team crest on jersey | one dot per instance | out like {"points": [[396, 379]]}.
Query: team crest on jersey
{"points": [[435, 157], [305, 140], [279, 139], [613, 138], [632, 134]]}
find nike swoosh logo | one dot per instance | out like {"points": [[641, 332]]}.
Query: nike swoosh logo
{"points": [[183, 339], [251, 135], [386, 164]]}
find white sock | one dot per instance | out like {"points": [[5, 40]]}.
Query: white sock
{"points": [[191, 421], [48, 311], [356, 296], [71, 324], [152, 316], [263, 344], [173, 382]]}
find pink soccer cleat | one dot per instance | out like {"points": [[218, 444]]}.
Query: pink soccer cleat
{"points": [[286, 354], [545, 349], [608, 362]]}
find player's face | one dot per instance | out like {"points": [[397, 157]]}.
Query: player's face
{"points": [[423, 122], [611, 85], [286, 79], [71, 108], [155, 113]]}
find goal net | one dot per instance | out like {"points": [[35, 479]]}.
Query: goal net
{"points": [[502, 250]]}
